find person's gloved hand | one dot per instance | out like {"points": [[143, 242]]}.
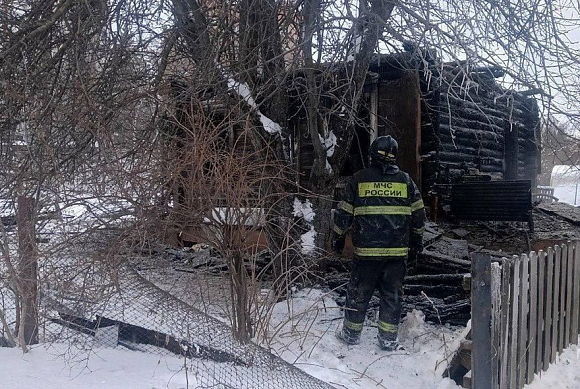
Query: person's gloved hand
{"points": [[338, 244]]}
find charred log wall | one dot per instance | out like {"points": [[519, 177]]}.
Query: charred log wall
{"points": [[470, 126], [430, 129], [467, 120]]}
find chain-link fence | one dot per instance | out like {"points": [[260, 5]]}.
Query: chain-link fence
{"points": [[139, 301]]}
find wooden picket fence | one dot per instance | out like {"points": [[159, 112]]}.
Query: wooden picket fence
{"points": [[524, 313]]}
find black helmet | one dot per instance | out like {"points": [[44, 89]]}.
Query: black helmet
{"points": [[384, 150]]}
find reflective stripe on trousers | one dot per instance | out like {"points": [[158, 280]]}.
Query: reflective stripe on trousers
{"points": [[381, 251]]}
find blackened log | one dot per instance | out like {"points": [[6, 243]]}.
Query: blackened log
{"points": [[430, 266], [470, 124], [443, 260], [461, 147], [79, 321], [491, 169], [72, 325], [488, 139], [429, 147], [465, 157], [433, 279], [137, 334], [427, 279], [492, 104], [455, 171], [432, 290], [470, 141], [454, 310], [338, 282], [480, 115], [475, 132], [438, 285], [483, 104]]}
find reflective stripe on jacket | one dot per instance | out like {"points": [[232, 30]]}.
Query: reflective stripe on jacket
{"points": [[384, 211]]}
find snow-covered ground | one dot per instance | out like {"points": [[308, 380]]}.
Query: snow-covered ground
{"points": [[48, 368], [302, 332], [564, 374], [305, 331]]}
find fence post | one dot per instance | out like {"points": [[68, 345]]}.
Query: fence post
{"points": [[481, 321], [562, 298], [576, 293]]}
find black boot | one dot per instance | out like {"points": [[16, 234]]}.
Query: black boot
{"points": [[388, 340], [389, 345], [348, 336]]}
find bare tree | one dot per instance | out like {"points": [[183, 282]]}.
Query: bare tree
{"points": [[82, 102], [324, 49], [222, 186], [70, 84]]}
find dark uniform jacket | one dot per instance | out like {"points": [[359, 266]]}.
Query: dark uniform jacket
{"points": [[383, 208]]}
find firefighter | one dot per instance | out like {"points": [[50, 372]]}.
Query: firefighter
{"points": [[383, 208]]}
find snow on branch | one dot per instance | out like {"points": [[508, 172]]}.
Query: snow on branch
{"points": [[329, 143], [304, 210], [244, 92]]}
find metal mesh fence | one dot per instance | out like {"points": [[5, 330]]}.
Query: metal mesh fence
{"points": [[99, 301]]}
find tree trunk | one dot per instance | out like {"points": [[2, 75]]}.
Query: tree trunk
{"points": [[242, 326], [348, 93], [27, 272], [322, 207]]}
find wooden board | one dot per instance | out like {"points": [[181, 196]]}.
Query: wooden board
{"points": [[563, 210], [481, 326], [562, 298], [495, 323], [513, 330], [506, 269], [523, 322], [533, 318], [575, 294], [547, 352], [569, 291], [541, 257], [555, 303]]}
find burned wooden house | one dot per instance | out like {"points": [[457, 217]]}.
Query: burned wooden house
{"points": [[452, 122], [448, 123]]}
